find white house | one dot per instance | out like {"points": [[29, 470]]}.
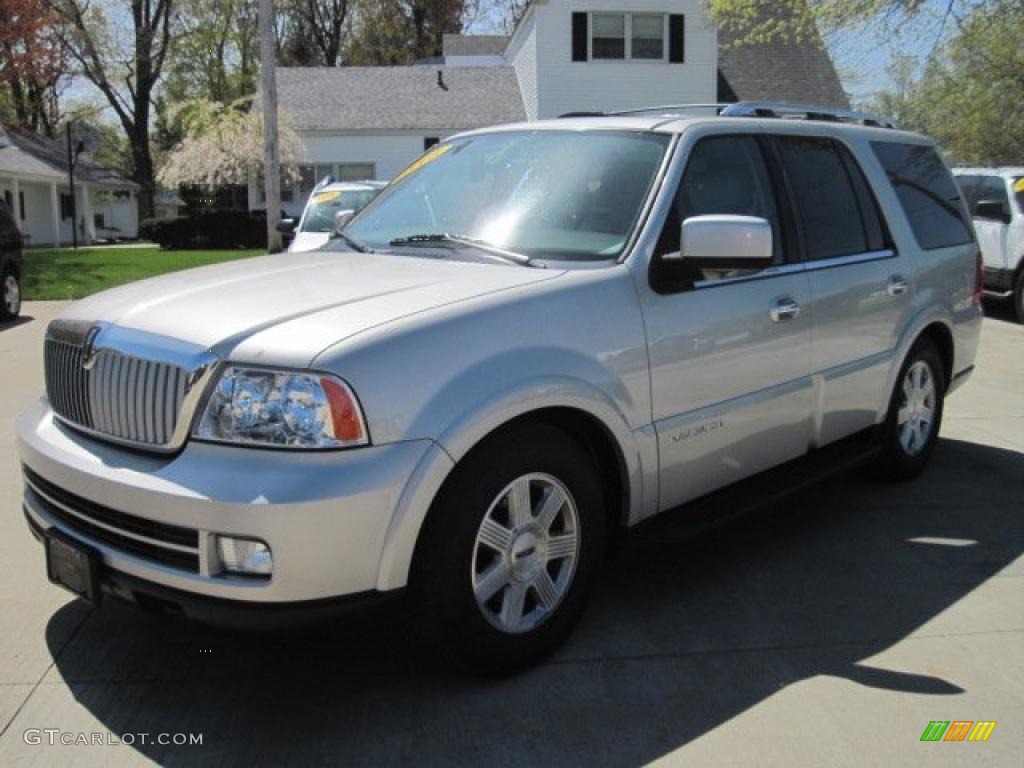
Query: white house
{"points": [[564, 56], [34, 183]]}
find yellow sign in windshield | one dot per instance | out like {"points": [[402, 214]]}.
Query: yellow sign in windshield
{"points": [[1019, 186], [323, 197], [426, 159]]}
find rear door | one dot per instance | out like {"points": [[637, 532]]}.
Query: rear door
{"points": [[861, 286]]}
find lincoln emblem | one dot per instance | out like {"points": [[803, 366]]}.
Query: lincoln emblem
{"points": [[89, 348]]}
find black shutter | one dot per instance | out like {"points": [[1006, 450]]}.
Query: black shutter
{"points": [[677, 38], [579, 37]]}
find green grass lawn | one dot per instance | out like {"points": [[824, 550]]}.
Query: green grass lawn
{"points": [[62, 273]]}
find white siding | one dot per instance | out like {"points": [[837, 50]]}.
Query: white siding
{"points": [[568, 86], [38, 223], [522, 54]]}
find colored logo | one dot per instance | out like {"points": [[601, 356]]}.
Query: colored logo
{"points": [[958, 730]]}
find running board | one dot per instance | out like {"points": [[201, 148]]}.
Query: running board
{"points": [[722, 506]]}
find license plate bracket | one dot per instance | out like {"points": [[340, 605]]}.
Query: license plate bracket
{"points": [[73, 565]]}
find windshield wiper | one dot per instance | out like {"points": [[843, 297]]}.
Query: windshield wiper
{"points": [[470, 242], [356, 245]]}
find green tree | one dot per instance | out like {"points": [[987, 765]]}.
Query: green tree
{"points": [[970, 95], [121, 47]]}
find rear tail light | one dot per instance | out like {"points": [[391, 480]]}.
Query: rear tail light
{"points": [[979, 280]]}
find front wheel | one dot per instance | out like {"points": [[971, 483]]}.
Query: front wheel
{"points": [[911, 428], [510, 548], [10, 296]]}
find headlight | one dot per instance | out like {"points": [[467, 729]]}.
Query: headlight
{"points": [[285, 409]]}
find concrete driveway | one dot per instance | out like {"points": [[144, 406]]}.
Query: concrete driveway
{"points": [[826, 630]]}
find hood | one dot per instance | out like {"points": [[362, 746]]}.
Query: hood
{"points": [[285, 309]]}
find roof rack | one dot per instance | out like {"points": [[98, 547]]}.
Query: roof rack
{"points": [[806, 112], [772, 109]]}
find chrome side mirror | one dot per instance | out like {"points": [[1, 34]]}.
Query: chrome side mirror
{"points": [[341, 220], [725, 241]]}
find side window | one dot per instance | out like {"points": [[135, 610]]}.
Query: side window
{"points": [[829, 207], [927, 194], [970, 190], [994, 188], [724, 174]]}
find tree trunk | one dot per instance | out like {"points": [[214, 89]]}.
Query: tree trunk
{"points": [[142, 174]]}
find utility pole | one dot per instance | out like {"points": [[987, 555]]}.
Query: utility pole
{"points": [[271, 160], [72, 160]]}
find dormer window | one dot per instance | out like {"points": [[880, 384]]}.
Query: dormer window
{"points": [[648, 38], [628, 36], [608, 35]]}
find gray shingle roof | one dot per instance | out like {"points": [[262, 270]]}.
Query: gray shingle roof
{"points": [[53, 155], [399, 98], [800, 73], [475, 45]]}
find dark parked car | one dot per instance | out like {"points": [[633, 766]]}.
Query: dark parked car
{"points": [[11, 244]]}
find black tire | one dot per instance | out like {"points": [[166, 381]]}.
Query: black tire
{"points": [[896, 461], [1018, 296], [7, 312], [441, 582]]}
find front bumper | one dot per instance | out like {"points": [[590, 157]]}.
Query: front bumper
{"points": [[325, 515]]}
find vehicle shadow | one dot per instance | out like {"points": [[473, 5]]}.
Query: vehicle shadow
{"points": [[6, 325], [680, 638]]}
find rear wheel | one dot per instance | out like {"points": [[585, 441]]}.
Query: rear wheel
{"points": [[10, 295], [508, 554], [911, 428]]}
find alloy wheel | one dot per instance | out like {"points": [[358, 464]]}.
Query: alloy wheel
{"points": [[12, 295], [916, 416], [525, 553]]}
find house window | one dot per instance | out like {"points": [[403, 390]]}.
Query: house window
{"points": [[355, 172], [65, 206], [21, 204], [429, 142], [9, 198], [635, 36], [608, 31], [647, 40], [322, 171]]}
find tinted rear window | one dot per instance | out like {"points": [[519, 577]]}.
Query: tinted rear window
{"points": [[837, 219], [926, 193]]}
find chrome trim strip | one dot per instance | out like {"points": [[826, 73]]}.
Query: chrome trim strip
{"points": [[105, 526], [804, 266]]}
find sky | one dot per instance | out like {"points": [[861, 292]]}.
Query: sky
{"points": [[863, 56]]}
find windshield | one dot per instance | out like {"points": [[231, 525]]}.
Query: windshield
{"points": [[546, 194], [323, 206]]}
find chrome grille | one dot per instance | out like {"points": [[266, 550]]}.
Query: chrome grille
{"points": [[66, 381], [134, 399], [127, 396]]}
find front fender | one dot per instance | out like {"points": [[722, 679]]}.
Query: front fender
{"points": [[475, 424]]}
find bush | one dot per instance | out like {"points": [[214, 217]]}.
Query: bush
{"points": [[217, 229]]}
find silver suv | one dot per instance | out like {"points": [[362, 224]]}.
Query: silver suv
{"points": [[537, 337]]}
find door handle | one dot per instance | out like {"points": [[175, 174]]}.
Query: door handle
{"points": [[898, 285], [784, 310]]}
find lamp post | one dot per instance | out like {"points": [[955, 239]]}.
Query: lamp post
{"points": [[72, 160]]}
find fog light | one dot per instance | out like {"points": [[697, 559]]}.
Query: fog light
{"points": [[248, 556]]}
